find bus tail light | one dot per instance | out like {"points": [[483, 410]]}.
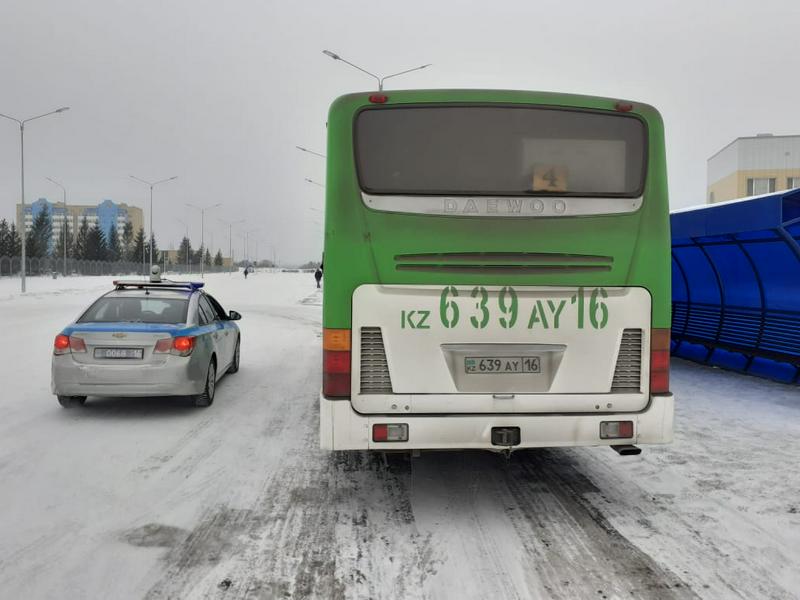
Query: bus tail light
{"points": [[616, 430], [659, 361], [336, 363], [390, 432]]}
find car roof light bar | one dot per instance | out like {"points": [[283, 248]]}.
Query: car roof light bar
{"points": [[164, 283]]}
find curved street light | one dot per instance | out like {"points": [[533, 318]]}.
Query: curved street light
{"points": [[203, 210], [152, 185], [311, 152], [379, 79], [21, 124]]}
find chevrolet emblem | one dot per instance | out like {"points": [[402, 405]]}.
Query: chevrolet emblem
{"points": [[119, 335]]}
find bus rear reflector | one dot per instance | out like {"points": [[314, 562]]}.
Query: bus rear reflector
{"points": [[659, 361], [390, 432], [336, 363]]}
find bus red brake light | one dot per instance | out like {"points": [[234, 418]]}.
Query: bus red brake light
{"points": [[183, 345], [61, 344], [659, 361], [336, 363]]}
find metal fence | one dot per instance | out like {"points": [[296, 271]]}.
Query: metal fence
{"points": [[10, 265]]}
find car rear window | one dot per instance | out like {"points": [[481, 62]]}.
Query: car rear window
{"points": [[137, 310], [499, 150]]}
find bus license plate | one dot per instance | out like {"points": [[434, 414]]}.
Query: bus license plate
{"points": [[491, 365], [130, 353]]}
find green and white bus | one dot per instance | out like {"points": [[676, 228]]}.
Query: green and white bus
{"points": [[497, 272]]}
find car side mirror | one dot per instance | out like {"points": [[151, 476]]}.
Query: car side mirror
{"points": [[234, 316]]}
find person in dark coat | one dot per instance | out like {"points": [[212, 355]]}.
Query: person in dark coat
{"points": [[318, 276]]}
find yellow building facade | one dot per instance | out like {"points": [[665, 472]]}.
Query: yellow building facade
{"points": [[753, 166]]}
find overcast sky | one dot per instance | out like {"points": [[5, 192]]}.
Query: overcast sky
{"points": [[219, 93]]}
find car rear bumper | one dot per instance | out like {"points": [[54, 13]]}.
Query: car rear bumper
{"points": [[341, 428], [176, 376]]}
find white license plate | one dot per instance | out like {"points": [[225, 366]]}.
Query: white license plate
{"points": [[129, 353], [498, 365]]}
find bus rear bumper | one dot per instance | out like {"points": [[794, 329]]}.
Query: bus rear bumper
{"points": [[342, 428]]}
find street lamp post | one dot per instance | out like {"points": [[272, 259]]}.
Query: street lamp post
{"points": [[64, 229], [314, 182], [21, 124], [379, 79], [152, 185], [203, 210], [187, 239], [230, 225]]}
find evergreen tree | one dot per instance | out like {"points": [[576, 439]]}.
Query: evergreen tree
{"points": [[58, 246], [81, 240], [127, 240], [218, 259], [96, 246], [185, 251], [5, 239], [14, 241], [37, 243], [114, 248], [207, 258], [198, 256], [137, 247]]}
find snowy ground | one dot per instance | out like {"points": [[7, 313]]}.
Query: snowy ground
{"points": [[154, 498]]}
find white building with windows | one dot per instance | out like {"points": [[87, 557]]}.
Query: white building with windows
{"points": [[750, 166]]}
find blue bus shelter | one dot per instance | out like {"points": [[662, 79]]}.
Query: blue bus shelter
{"points": [[736, 285]]}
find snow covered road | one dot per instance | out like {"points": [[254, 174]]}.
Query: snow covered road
{"points": [[157, 499]]}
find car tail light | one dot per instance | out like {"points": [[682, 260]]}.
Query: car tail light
{"points": [[76, 344], [390, 432], [616, 430], [163, 346], [659, 361], [336, 363], [183, 345], [61, 344]]}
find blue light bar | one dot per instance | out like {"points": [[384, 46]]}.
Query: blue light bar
{"points": [[164, 283]]}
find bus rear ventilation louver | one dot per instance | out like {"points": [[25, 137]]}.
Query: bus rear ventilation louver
{"points": [[503, 262], [628, 372], [375, 378]]}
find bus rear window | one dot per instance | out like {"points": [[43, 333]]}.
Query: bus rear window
{"points": [[499, 150]]}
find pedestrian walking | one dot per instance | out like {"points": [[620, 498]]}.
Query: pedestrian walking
{"points": [[318, 276]]}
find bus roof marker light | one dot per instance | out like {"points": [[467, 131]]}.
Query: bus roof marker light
{"points": [[623, 106], [378, 98]]}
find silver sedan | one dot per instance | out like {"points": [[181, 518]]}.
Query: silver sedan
{"points": [[158, 338]]}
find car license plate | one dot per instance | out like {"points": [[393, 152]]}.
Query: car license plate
{"points": [[491, 365], [130, 353]]}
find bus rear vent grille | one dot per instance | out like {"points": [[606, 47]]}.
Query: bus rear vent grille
{"points": [[488, 263], [375, 377], [628, 373]]}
